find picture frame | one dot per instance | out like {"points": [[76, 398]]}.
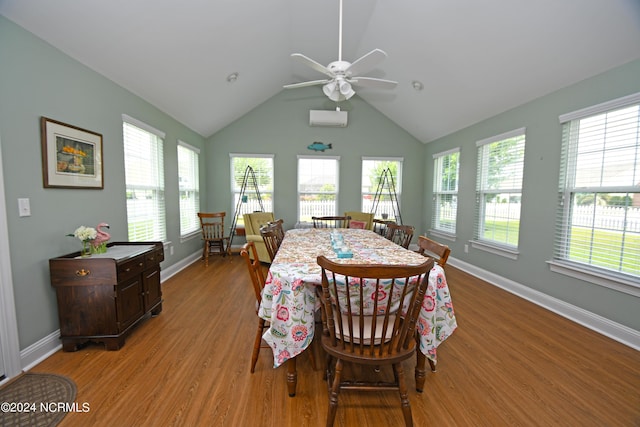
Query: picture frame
{"points": [[71, 156]]}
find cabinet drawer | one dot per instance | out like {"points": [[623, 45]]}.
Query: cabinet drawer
{"points": [[153, 258], [82, 272], [130, 268]]}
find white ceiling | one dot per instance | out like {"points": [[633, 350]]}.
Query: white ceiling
{"points": [[475, 58]]}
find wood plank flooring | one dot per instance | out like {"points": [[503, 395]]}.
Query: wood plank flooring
{"points": [[510, 363]]}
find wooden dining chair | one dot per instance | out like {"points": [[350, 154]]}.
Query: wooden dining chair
{"points": [[440, 252], [363, 323], [215, 242], [279, 229], [400, 234], [380, 226], [250, 255], [270, 236], [331, 221], [429, 247]]}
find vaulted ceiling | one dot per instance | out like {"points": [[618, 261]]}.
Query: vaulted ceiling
{"points": [[475, 59]]}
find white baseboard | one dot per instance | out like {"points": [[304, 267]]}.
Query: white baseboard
{"points": [[602, 325], [37, 352]]}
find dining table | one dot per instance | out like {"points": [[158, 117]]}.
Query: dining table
{"points": [[289, 300]]}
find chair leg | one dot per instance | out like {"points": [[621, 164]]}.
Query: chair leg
{"points": [[206, 254], [404, 395], [256, 344], [333, 394]]}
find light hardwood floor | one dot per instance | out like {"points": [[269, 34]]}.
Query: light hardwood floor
{"points": [[510, 363]]}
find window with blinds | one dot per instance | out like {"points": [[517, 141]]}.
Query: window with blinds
{"points": [[252, 193], [446, 167], [372, 172], [598, 221], [144, 181], [317, 187], [499, 189], [189, 188]]}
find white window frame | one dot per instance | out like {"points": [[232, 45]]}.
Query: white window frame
{"points": [[146, 168], [440, 192], [336, 192], [482, 190], [367, 197], [266, 191], [562, 262], [189, 184]]}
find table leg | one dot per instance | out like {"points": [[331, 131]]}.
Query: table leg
{"points": [[292, 376], [421, 372]]}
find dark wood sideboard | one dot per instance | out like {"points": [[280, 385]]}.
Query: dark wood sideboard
{"points": [[102, 297]]}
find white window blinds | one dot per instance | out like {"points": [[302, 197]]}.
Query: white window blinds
{"points": [[189, 188], [446, 167], [144, 181], [598, 221], [499, 188]]}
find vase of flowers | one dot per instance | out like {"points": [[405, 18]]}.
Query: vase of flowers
{"points": [[86, 236]]}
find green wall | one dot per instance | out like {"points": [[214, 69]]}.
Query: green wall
{"points": [[280, 126], [541, 174], [38, 80]]}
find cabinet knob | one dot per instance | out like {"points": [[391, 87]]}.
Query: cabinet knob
{"points": [[82, 272]]}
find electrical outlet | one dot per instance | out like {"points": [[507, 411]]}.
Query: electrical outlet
{"points": [[466, 249], [171, 250]]}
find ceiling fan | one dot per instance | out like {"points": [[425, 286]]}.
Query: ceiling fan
{"points": [[343, 74]]}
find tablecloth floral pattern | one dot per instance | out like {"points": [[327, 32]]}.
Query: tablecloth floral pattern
{"points": [[289, 302]]}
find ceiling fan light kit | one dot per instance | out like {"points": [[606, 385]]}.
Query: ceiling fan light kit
{"points": [[342, 75]]}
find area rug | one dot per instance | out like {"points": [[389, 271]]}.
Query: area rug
{"points": [[35, 399]]}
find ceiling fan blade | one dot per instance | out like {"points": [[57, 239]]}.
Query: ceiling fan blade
{"points": [[373, 82], [305, 84], [312, 64], [366, 63]]}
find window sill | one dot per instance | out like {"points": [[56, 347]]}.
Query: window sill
{"points": [[442, 234], [189, 236], [495, 249], [609, 280]]}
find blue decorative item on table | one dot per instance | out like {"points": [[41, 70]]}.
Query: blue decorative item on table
{"points": [[338, 245]]}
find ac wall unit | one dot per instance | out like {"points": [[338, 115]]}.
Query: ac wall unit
{"points": [[328, 118]]}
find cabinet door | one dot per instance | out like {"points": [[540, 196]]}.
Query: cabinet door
{"points": [[129, 302], [152, 289]]}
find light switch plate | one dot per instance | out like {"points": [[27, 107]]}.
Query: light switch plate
{"points": [[24, 207]]}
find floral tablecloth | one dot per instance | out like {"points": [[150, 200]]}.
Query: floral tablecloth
{"points": [[289, 302]]}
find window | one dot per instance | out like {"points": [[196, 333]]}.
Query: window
{"points": [[317, 187], [189, 188], [446, 167], [388, 190], [258, 186], [598, 225], [499, 192], [144, 181]]}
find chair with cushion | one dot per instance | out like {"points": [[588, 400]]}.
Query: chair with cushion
{"points": [[360, 220], [252, 223], [358, 328], [331, 221], [215, 242], [429, 247], [271, 238], [250, 254], [400, 234]]}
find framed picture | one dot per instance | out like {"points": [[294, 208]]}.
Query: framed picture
{"points": [[71, 156]]}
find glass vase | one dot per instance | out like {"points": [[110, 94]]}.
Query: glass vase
{"points": [[86, 249]]}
